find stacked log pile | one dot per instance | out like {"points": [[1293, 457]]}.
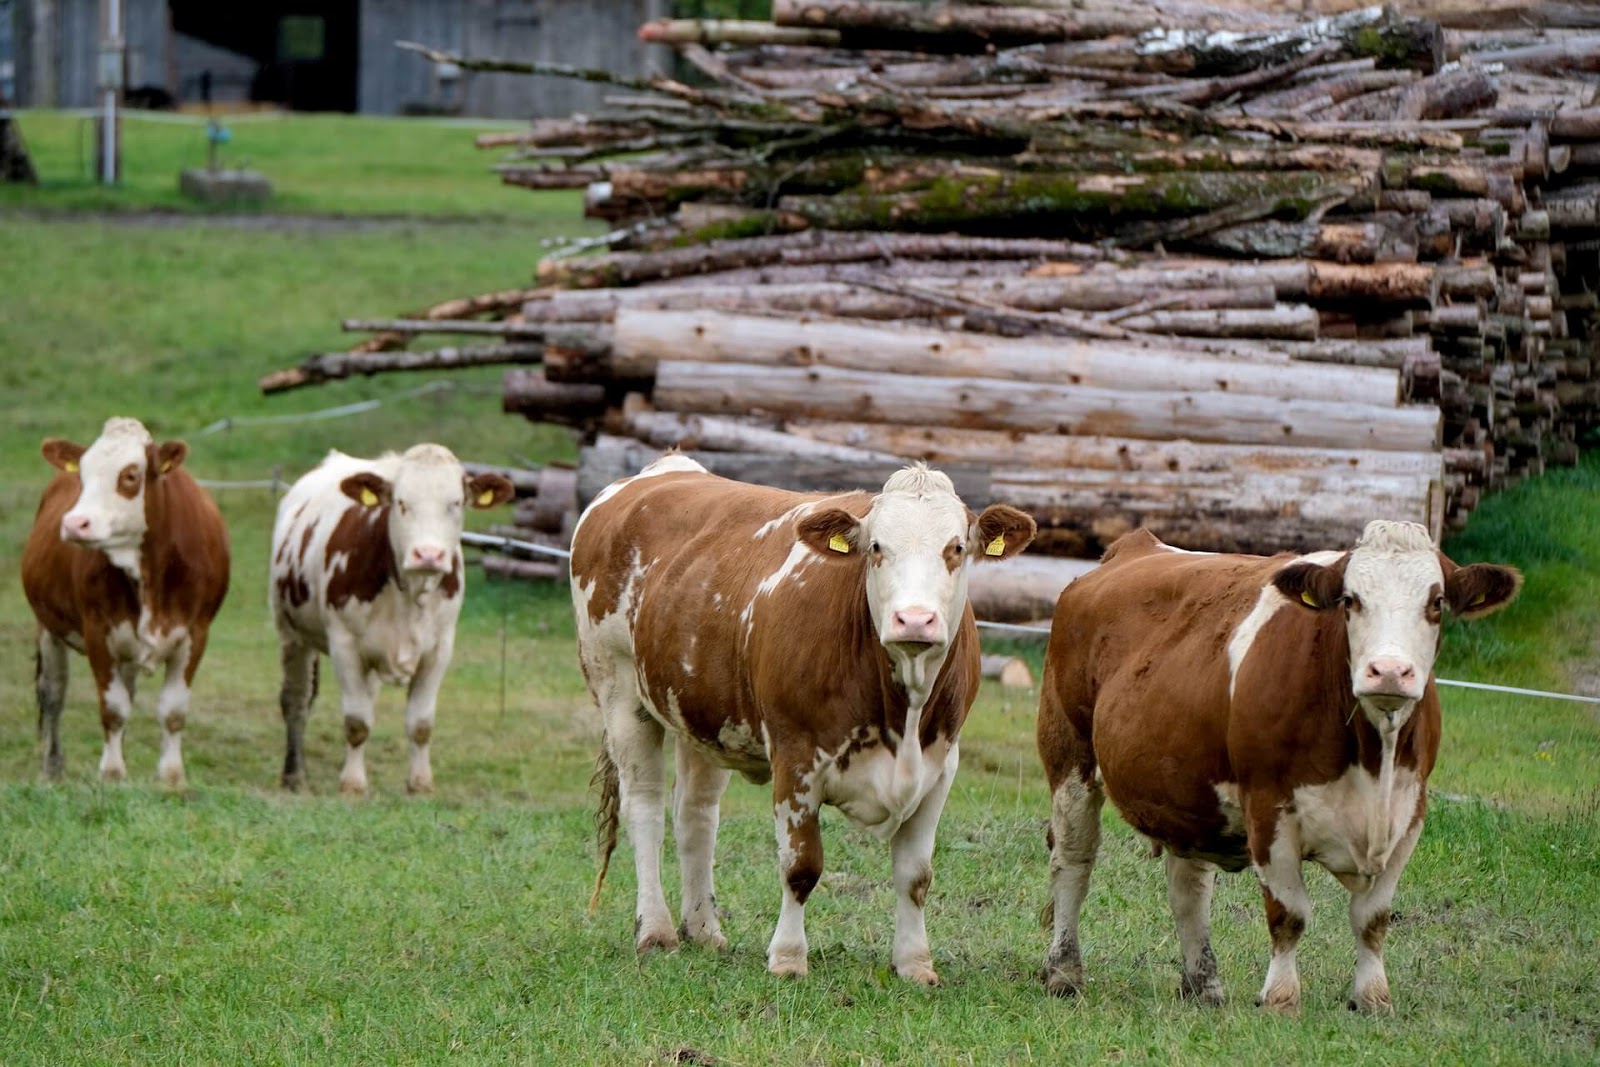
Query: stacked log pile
{"points": [[1246, 277]]}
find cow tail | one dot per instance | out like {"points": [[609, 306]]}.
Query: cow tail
{"points": [[606, 816]]}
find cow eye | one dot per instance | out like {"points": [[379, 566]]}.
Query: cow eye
{"points": [[1438, 603], [874, 547], [1351, 601]]}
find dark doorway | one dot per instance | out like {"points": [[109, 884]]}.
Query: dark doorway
{"points": [[304, 51]]}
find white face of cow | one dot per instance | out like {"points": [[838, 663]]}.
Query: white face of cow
{"points": [[1393, 587], [917, 543], [427, 501], [114, 473]]}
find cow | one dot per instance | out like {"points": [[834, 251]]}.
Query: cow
{"points": [[822, 643], [1247, 711], [367, 568], [127, 563]]}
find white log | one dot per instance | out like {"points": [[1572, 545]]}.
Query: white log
{"points": [[641, 339], [665, 429], [1022, 588]]}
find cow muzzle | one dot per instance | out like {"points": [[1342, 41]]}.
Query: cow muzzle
{"points": [[914, 626], [76, 529], [1389, 680], [430, 558]]}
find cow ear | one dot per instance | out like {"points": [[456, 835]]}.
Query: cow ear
{"points": [[830, 532], [61, 454], [1311, 584], [366, 489], [1003, 531], [1481, 589], [487, 490], [169, 457]]}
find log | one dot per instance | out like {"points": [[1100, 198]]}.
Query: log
{"points": [[1290, 322], [331, 366], [1023, 588], [946, 444], [642, 340], [813, 247], [1216, 511], [737, 32], [413, 327], [1010, 671], [531, 394], [663, 429], [610, 458], [979, 403]]}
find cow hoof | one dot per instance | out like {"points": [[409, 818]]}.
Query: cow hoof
{"points": [[420, 787], [1281, 1002], [789, 967], [1207, 991], [294, 783], [1372, 1002], [172, 779], [921, 974], [705, 937], [351, 788], [1063, 982], [113, 774], [666, 942]]}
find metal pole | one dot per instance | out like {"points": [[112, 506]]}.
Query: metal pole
{"points": [[111, 77]]}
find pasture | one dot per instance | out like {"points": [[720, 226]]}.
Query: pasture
{"points": [[232, 923]]}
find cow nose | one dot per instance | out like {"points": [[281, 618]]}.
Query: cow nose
{"points": [[1391, 675], [428, 557], [75, 528], [914, 625]]}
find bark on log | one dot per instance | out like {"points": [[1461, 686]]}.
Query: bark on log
{"points": [[945, 444], [814, 247], [610, 458], [737, 32], [1288, 322], [829, 393], [712, 433], [331, 366], [1023, 588], [643, 339], [530, 393]]}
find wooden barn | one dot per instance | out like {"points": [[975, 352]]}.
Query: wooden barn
{"points": [[325, 55]]}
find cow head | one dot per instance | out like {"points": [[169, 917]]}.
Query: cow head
{"points": [[1394, 587], [114, 474], [426, 499], [917, 542]]}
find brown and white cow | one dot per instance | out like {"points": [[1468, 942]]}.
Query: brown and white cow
{"points": [[366, 567], [1254, 712], [127, 563], [824, 643]]}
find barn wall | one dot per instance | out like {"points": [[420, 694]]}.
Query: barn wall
{"points": [[590, 33], [58, 42]]}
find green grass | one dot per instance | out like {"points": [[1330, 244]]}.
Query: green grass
{"points": [[231, 924], [325, 164]]}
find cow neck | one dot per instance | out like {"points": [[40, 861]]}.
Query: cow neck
{"points": [[160, 566], [1366, 743]]}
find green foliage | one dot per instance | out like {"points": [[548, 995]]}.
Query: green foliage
{"points": [[230, 923]]}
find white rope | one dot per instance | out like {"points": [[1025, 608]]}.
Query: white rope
{"points": [[340, 412]]}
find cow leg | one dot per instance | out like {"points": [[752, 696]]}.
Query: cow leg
{"points": [[421, 699], [696, 797], [634, 741], [116, 702], [1369, 921], [1189, 885], [1288, 906], [912, 852], [357, 693], [50, 686], [294, 700], [1074, 843], [796, 803], [172, 707]]}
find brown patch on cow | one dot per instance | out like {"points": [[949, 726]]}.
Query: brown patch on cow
{"points": [[1376, 930], [174, 722], [450, 584], [293, 589], [128, 482], [919, 887], [362, 537], [954, 553], [355, 731], [305, 537], [110, 721], [1433, 611], [422, 733]]}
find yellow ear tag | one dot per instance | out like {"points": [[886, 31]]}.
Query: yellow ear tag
{"points": [[1308, 598], [997, 547], [70, 466], [1479, 599], [167, 466], [369, 498], [839, 544], [486, 498]]}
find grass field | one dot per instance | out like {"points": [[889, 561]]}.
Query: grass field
{"points": [[232, 924], [328, 164]]}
